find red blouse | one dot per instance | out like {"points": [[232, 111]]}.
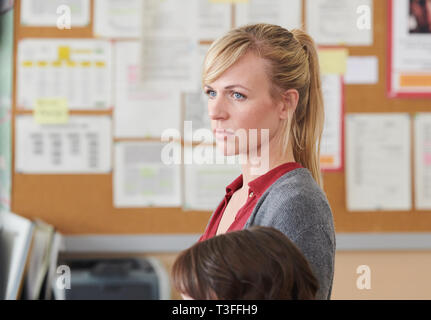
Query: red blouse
{"points": [[256, 188]]}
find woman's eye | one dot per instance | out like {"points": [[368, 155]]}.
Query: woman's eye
{"points": [[211, 93], [238, 96]]}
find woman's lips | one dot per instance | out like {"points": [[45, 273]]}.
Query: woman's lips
{"points": [[223, 133]]}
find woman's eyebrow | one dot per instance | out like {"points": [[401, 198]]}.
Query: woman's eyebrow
{"points": [[230, 87]]}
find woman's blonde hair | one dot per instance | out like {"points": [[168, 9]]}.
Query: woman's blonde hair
{"points": [[293, 63]]}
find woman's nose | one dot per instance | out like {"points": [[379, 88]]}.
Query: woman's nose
{"points": [[216, 109]]}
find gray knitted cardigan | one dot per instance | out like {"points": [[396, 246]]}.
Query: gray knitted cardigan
{"points": [[297, 206]]}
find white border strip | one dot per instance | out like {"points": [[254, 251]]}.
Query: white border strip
{"points": [[383, 241], [130, 243], [178, 242]]}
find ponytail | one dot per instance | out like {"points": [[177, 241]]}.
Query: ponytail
{"points": [[307, 125]]}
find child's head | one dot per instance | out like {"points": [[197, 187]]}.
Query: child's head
{"points": [[256, 263]]}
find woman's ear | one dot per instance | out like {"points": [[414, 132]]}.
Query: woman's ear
{"points": [[289, 102]]}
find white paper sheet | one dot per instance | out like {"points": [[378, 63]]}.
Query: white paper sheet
{"points": [[76, 70], [410, 51], [196, 115], [423, 161], [214, 19], [378, 162], [169, 45], [335, 22], [287, 14], [141, 179], [205, 184], [44, 13], [362, 70], [331, 143], [83, 145], [196, 105], [140, 112], [118, 18]]}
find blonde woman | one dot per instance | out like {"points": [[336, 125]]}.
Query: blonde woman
{"points": [[266, 78]]}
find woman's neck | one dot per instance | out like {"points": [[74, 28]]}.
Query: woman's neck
{"points": [[268, 159]]}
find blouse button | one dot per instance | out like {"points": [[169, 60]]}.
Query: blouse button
{"points": [[251, 194]]}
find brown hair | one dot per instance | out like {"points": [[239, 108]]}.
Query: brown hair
{"points": [[292, 64], [256, 263]]}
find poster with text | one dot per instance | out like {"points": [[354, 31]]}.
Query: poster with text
{"points": [[409, 69]]}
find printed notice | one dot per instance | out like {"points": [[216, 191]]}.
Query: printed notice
{"points": [[214, 19], [47, 13], [169, 45], [141, 179], [139, 112], [410, 47], [118, 19], [331, 145], [76, 70], [378, 162], [83, 145], [423, 161], [196, 108], [335, 22], [287, 14]]}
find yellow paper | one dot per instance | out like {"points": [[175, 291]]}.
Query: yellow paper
{"points": [[51, 111], [64, 53], [333, 61]]}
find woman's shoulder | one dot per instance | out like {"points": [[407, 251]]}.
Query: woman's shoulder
{"points": [[296, 200], [297, 185]]}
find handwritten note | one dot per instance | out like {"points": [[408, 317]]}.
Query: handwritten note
{"points": [[333, 61], [51, 111]]}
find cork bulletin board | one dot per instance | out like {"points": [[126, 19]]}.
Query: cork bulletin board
{"points": [[83, 204]]}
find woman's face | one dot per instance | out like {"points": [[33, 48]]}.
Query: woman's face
{"points": [[240, 99]]}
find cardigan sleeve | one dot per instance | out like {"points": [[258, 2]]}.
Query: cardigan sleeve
{"points": [[318, 249], [304, 215]]}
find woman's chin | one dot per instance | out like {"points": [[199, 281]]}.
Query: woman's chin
{"points": [[226, 148]]}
